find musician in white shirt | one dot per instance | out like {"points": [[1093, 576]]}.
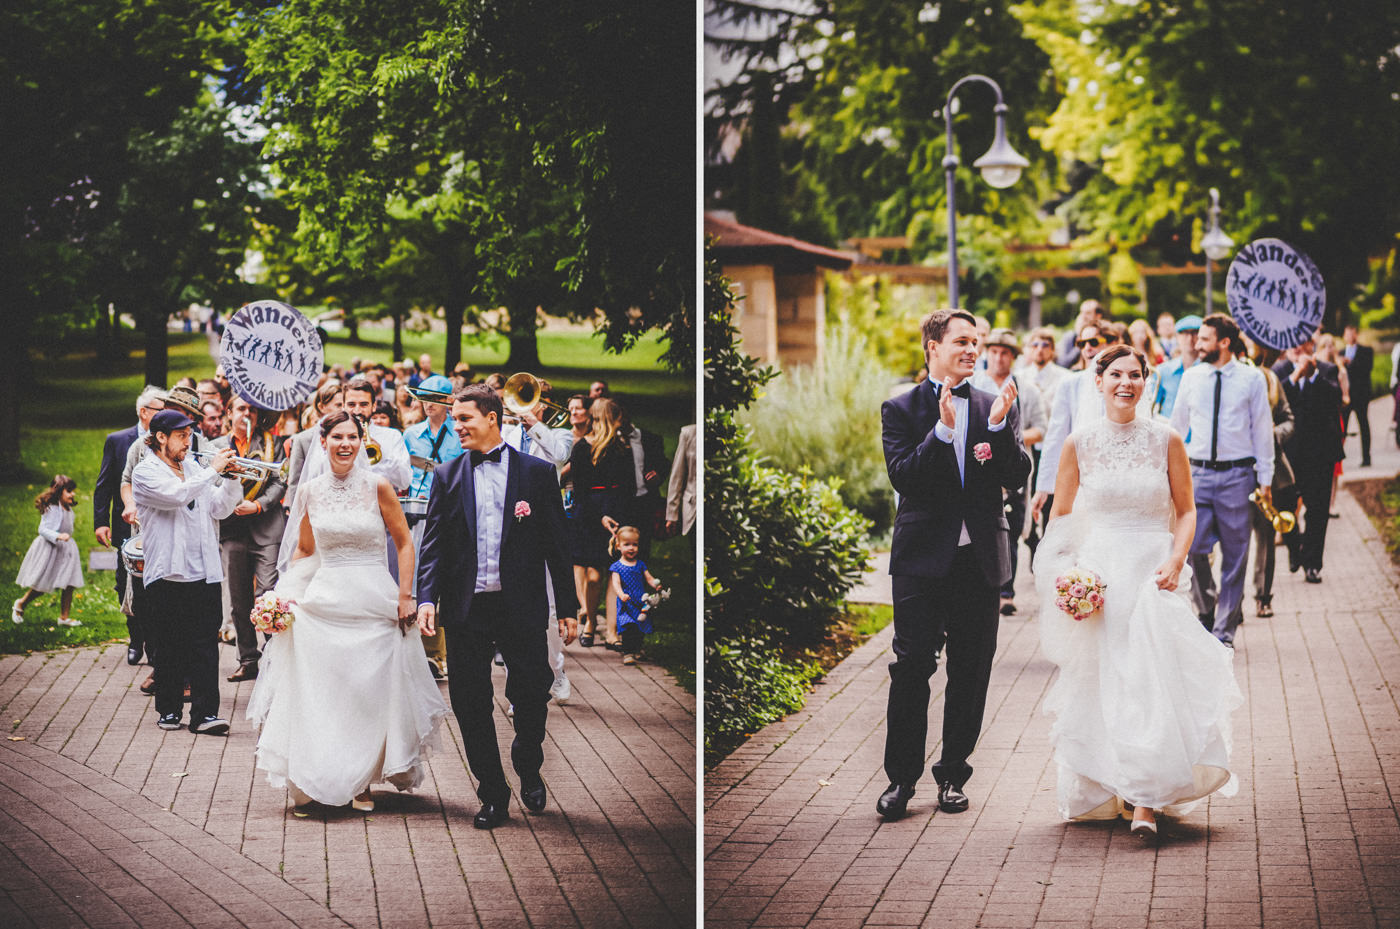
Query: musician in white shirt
{"points": [[179, 503]]}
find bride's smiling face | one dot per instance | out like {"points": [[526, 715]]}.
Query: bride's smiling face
{"points": [[1122, 383], [342, 444]]}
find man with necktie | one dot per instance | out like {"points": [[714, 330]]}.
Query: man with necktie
{"points": [[1359, 360], [1222, 408], [1314, 450]]}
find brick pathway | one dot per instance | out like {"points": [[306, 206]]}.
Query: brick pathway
{"points": [[107, 821], [1311, 839]]}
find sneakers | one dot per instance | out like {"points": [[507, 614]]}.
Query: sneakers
{"points": [[169, 721], [629, 658], [437, 671], [561, 690], [16, 613], [209, 725], [69, 622]]}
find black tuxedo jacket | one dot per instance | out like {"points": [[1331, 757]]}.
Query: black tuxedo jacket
{"points": [[1316, 443], [447, 559], [934, 502], [1359, 374], [106, 496]]}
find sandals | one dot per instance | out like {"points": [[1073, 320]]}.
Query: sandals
{"points": [[16, 613]]}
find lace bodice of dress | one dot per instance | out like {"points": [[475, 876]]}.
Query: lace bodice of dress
{"points": [[1123, 473], [345, 518]]}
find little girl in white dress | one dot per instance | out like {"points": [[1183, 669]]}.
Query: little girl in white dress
{"points": [[52, 562]]}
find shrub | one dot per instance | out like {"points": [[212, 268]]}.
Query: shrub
{"points": [[748, 685], [827, 418]]}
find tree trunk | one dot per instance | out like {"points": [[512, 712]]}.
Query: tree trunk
{"points": [[524, 346], [157, 348], [397, 350], [11, 382], [106, 345], [352, 326], [452, 353]]}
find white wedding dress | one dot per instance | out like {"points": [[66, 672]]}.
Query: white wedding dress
{"points": [[344, 698], [1144, 695]]}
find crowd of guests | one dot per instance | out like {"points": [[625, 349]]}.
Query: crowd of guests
{"points": [[617, 486], [1264, 432]]}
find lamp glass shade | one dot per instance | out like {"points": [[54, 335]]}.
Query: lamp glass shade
{"points": [[1001, 166], [1216, 244]]}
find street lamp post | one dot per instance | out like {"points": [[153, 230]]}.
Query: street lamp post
{"points": [[1215, 243], [1000, 167]]}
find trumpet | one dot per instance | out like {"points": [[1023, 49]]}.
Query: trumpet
{"points": [[1282, 520], [522, 393], [250, 469], [372, 450]]}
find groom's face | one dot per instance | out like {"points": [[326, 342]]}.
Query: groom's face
{"points": [[956, 355], [476, 431]]}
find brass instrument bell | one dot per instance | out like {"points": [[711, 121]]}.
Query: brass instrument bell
{"points": [[1282, 520], [522, 393], [372, 450]]}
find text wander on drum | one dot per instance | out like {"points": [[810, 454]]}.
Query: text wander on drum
{"points": [[271, 355]]}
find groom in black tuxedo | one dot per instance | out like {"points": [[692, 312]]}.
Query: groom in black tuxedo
{"points": [[950, 451], [495, 520]]}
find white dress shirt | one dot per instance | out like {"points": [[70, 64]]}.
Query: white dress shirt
{"points": [[489, 483], [1246, 422], [180, 519], [553, 445], [958, 437]]}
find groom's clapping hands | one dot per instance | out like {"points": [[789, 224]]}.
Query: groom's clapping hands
{"points": [[946, 411], [1002, 404]]}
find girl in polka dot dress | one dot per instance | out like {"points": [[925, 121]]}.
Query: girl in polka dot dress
{"points": [[628, 582]]}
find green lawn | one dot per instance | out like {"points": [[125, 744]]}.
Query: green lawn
{"points": [[71, 407]]}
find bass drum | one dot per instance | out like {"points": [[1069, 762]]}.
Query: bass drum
{"points": [[134, 556]]}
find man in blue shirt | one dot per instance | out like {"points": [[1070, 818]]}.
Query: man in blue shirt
{"points": [[1169, 374], [435, 441]]}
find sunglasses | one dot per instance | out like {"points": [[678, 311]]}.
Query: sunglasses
{"points": [[1089, 343]]}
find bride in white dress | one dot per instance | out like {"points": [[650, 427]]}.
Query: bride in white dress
{"points": [[1144, 695], [345, 699]]}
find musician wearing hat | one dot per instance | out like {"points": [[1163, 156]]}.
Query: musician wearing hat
{"points": [[1169, 375], [251, 535], [185, 400], [430, 443], [178, 501]]}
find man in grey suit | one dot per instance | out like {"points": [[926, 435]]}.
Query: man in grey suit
{"points": [[249, 539]]}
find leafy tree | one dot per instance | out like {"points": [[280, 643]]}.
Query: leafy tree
{"points": [[1292, 111], [79, 79], [551, 141]]}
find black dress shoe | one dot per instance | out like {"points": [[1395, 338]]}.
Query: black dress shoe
{"points": [[951, 799], [1293, 563], [894, 800], [245, 672], [491, 816], [1312, 576], [133, 654], [532, 796]]}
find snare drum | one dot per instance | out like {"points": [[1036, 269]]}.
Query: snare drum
{"points": [[414, 506], [134, 556]]}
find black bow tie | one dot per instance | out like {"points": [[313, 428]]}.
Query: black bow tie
{"points": [[963, 390], [493, 455]]}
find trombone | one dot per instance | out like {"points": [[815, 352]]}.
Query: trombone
{"points": [[250, 469], [522, 393]]}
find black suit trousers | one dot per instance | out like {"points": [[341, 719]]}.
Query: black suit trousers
{"points": [[183, 624], [1314, 487], [959, 613], [1360, 405], [471, 647]]}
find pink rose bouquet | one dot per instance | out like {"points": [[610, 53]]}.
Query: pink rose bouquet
{"points": [[272, 613], [1079, 593]]}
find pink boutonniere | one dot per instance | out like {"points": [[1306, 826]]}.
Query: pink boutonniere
{"points": [[982, 451], [522, 509]]}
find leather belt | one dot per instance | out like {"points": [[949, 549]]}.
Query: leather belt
{"points": [[1222, 465]]}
